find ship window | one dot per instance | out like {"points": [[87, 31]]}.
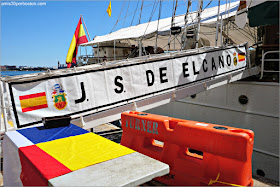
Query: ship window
{"points": [[243, 99], [193, 96]]}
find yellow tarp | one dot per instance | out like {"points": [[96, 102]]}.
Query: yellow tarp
{"points": [[80, 151]]}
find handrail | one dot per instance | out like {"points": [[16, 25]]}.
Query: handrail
{"points": [[263, 59]]}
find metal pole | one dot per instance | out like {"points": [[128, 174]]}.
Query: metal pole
{"points": [[174, 42], [3, 106], [85, 27], [224, 27], [228, 21], [9, 103], [200, 3], [186, 26], [140, 47], [98, 51], [114, 49], [221, 29], [217, 24]]}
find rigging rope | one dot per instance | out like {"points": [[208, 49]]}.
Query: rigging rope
{"points": [[159, 14], [228, 19], [184, 35], [172, 22], [152, 14], [141, 12], [118, 17], [126, 13], [134, 12]]}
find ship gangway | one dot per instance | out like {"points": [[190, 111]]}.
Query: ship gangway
{"points": [[98, 94]]}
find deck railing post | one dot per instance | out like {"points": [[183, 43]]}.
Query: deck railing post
{"points": [[114, 49]]}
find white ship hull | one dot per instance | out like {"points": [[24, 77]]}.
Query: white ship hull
{"points": [[221, 106]]}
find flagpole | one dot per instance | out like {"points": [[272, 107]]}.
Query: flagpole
{"points": [[85, 27]]}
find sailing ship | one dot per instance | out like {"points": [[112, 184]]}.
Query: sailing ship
{"points": [[170, 67], [252, 102]]}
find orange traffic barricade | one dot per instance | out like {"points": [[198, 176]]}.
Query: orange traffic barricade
{"points": [[197, 153]]}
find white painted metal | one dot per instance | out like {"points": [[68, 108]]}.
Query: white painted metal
{"points": [[221, 106]]}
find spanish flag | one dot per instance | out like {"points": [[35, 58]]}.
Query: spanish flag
{"points": [[109, 9], [241, 57], [78, 38], [33, 102]]}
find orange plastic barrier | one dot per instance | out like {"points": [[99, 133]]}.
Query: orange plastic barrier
{"points": [[197, 153]]}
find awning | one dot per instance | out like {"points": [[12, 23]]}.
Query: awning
{"points": [[146, 32]]}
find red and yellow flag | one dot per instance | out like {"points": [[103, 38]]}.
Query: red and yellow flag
{"points": [[241, 57], [78, 38], [33, 101]]}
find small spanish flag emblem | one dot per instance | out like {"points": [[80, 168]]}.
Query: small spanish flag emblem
{"points": [[33, 101], [241, 57]]}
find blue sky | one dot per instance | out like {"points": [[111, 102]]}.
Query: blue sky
{"points": [[41, 35]]}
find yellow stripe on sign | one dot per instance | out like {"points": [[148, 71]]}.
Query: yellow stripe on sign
{"points": [[26, 103], [80, 151]]}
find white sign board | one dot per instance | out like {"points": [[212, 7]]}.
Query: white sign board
{"points": [[102, 89]]}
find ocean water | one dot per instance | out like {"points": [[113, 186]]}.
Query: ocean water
{"points": [[13, 73]]}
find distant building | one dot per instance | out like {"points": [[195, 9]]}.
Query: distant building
{"points": [[62, 66], [23, 67], [3, 68], [11, 67]]}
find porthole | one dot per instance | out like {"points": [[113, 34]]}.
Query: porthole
{"points": [[243, 99], [193, 96], [260, 172]]}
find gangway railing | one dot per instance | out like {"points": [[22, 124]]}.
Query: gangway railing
{"points": [[268, 60]]}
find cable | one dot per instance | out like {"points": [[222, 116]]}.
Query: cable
{"points": [[152, 14], [159, 14], [134, 12], [118, 17], [126, 13], [141, 12]]}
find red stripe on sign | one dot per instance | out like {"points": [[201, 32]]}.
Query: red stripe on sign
{"points": [[34, 108], [32, 96], [240, 60], [38, 166]]}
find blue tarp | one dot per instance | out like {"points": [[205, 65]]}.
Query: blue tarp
{"points": [[41, 134]]}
